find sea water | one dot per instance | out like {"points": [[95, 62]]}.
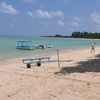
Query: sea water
{"points": [[8, 45]]}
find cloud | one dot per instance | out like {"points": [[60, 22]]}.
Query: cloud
{"points": [[75, 21], [49, 14], [29, 1], [74, 24], [61, 23], [76, 18], [95, 19], [8, 9], [43, 14], [30, 14]]}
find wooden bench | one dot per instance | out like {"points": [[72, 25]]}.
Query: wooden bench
{"points": [[38, 61]]}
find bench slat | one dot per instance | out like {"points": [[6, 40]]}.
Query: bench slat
{"points": [[26, 61]]}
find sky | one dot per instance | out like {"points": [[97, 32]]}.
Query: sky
{"points": [[49, 17]]}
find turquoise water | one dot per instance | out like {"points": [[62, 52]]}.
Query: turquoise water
{"points": [[8, 45]]}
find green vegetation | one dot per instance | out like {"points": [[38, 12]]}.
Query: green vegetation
{"points": [[58, 36], [88, 35]]}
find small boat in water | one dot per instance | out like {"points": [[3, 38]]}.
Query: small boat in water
{"points": [[24, 45], [39, 46], [50, 46]]}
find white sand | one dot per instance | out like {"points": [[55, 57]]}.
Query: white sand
{"points": [[41, 83]]}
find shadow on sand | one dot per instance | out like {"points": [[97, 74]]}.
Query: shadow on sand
{"points": [[92, 65]]}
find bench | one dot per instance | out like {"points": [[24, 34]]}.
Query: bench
{"points": [[38, 61]]}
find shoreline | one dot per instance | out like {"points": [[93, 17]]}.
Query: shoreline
{"points": [[8, 49], [54, 52]]}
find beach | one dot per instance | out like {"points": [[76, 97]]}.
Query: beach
{"points": [[77, 78]]}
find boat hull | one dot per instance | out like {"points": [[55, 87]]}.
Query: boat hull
{"points": [[24, 48]]}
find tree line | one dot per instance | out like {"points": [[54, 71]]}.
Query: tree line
{"points": [[88, 35]]}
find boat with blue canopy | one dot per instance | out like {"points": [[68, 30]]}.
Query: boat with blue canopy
{"points": [[24, 45]]}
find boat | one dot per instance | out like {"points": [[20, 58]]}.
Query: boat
{"points": [[24, 45], [39, 46], [50, 46]]}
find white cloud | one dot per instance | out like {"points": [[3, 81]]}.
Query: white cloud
{"points": [[58, 14], [75, 21], [76, 18], [61, 23], [4, 8], [95, 19], [30, 14], [49, 14], [29, 1], [74, 24], [43, 14]]}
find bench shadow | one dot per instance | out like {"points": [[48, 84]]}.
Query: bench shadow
{"points": [[92, 65]]}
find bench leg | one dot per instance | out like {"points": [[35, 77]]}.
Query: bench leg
{"points": [[28, 65]]}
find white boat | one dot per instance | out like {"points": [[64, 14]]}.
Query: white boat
{"points": [[39, 46], [50, 46], [24, 45]]}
